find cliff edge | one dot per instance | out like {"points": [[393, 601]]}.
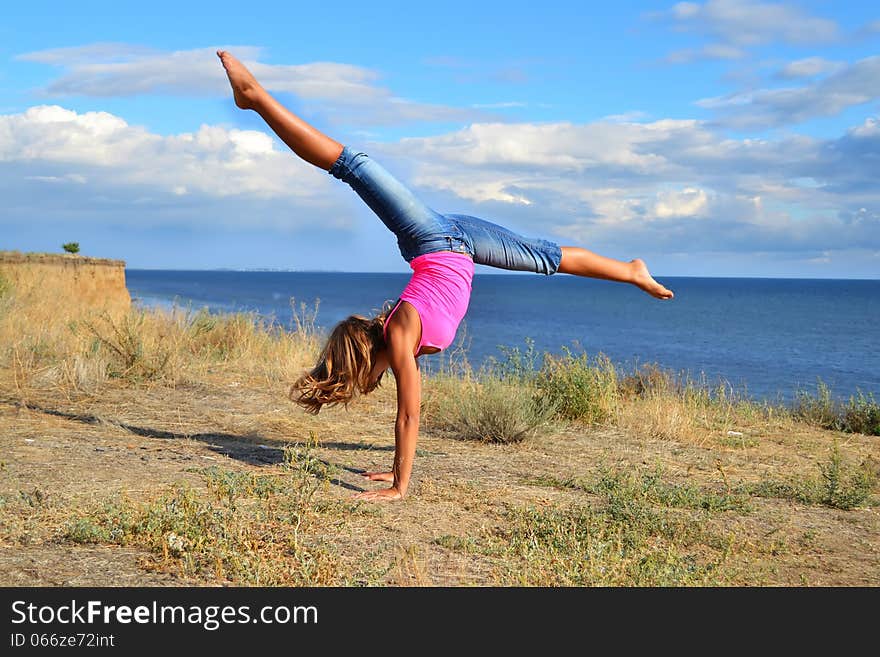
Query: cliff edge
{"points": [[75, 283]]}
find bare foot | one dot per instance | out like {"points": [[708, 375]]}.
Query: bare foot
{"points": [[643, 279], [245, 88]]}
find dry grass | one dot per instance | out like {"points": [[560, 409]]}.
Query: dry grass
{"points": [[508, 397], [664, 417], [167, 347], [251, 529], [160, 448], [491, 410]]}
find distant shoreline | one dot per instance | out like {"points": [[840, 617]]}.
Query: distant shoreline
{"points": [[479, 272]]}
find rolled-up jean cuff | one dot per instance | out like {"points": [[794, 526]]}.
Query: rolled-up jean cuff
{"points": [[554, 253], [340, 166]]}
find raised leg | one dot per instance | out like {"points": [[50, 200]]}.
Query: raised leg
{"points": [[581, 262], [305, 140]]}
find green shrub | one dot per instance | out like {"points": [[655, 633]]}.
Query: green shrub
{"points": [[85, 530], [580, 388], [647, 379], [840, 485], [862, 415], [491, 410], [517, 365], [818, 409]]}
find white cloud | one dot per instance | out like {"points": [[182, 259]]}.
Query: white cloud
{"points": [[103, 155], [711, 51], [870, 128], [732, 26], [688, 202], [118, 69], [823, 259], [855, 84], [502, 105], [808, 68], [624, 188], [747, 23], [87, 54], [685, 10], [66, 178], [344, 90], [872, 28], [640, 186], [556, 146], [626, 117]]}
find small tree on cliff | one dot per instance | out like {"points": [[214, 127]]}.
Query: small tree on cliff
{"points": [[71, 247]]}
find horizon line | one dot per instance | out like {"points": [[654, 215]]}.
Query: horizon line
{"points": [[484, 273]]}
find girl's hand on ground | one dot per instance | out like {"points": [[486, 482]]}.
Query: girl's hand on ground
{"points": [[378, 476], [382, 495]]}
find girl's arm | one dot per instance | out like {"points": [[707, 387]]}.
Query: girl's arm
{"points": [[406, 426]]}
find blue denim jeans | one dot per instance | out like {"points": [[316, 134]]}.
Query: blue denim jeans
{"points": [[421, 230]]}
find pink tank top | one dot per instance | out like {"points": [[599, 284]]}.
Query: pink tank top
{"points": [[440, 290]]}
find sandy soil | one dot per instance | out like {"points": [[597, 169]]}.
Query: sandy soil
{"points": [[61, 454]]}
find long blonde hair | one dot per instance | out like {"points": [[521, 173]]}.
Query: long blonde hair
{"points": [[344, 367]]}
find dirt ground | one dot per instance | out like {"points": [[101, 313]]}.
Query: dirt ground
{"points": [[60, 454]]}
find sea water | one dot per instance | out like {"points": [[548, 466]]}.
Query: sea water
{"points": [[767, 338]]}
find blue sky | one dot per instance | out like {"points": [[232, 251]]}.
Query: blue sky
{"points": [[719, 138]]}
